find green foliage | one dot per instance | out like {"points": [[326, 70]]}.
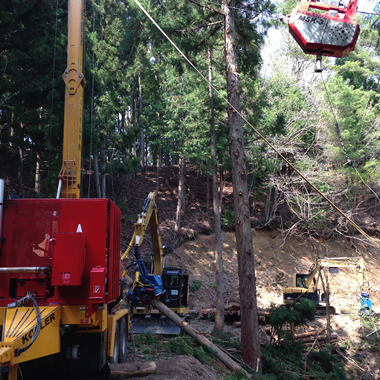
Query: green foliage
{"points": [[227, 217], [195, 285], [291, 362], [180, 346], [199, 353], [146, 338], [297, 313]]}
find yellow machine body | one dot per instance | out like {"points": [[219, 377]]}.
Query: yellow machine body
{"points": [[306, 285], [18, 333]]}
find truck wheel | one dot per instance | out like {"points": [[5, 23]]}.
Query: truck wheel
{"points": [[122, 340], [115, 357]]}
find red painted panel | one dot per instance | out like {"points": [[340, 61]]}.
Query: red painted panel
{"points": [[98, 284], [68, 258], [29, 227]]}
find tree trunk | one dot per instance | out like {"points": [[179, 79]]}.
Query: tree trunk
{"points": [[219, 316], [37, 178], [207, 191], [250, 341], [134, 107], [126, 370], [96, 175], [103, 165], [167, 168], [141, 140], [180, 195], [158, 179], [221, 180], [225, 359], [20, 170]]}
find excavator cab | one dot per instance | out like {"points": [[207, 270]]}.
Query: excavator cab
{"points": [[176, 285]]}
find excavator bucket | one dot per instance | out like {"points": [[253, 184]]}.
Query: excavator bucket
{"points": [[155, 324]]}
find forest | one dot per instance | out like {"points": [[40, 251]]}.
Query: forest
{"points": [[145, 105], [157, 97]]}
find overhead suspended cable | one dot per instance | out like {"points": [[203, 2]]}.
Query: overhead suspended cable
{"points": [[256, 131]]}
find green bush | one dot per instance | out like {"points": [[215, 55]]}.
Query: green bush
{"points": [[199, 353], [227, 218], [195, 285], [179, 346]]}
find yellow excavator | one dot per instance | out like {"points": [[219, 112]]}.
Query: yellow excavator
{"points": [[305, 285], [169, 285]]}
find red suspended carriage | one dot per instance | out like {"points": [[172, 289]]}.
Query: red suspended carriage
{"points": [[332, 33]]}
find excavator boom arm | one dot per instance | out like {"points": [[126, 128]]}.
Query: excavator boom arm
{"points": [[75, 82]]}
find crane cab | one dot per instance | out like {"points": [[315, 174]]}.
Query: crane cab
{"points": [[325, 28]]}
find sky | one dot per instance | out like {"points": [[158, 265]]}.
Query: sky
{"points": [[366, 5], [274, 36]]}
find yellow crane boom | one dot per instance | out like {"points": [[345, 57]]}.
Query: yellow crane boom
{"points": [[70, 173]]}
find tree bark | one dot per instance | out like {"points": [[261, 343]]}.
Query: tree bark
{"points": [[180, 195], [103, 165], [125, 370], [96, 175], [219, 315], [167, 168], [141, 139], [221, 180], [37, 178], [224, 358], [246, 263], [20, 170]]}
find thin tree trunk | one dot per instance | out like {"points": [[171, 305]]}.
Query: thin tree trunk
{"points": [[219, 315], [160, 158], [158, 179], [221, 180], [134, 153], [250, 340], [167, 168], [141, 140], [37, 178], [224, 358], [207, 192], [96, 175], [180, 195], [103, 165], [20, 170]]}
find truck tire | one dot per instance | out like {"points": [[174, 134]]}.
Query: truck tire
{"points": [[115, 357], [122, 340]]}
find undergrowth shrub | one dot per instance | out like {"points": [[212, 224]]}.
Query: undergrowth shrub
{"points": [[195, 285], [297, 313], [179, 346], [291, 362]]}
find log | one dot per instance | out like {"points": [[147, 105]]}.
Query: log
{"points": [[309, 333], [224, 358], [308, 344], [125, 370]]}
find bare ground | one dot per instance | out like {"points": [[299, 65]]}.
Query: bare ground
{"points": [[277, 256]]}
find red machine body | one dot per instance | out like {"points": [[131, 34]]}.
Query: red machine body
{"points": [[76, 240], [333, 33]]}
